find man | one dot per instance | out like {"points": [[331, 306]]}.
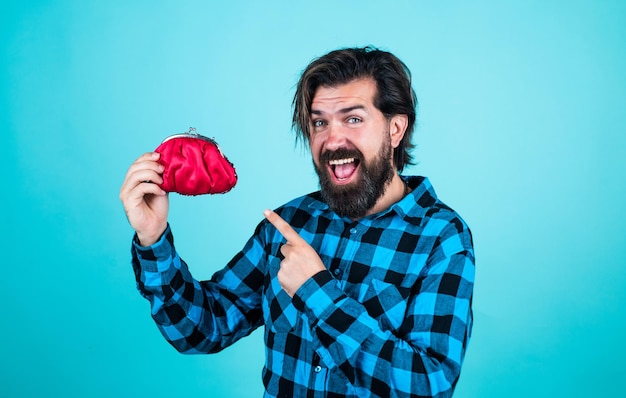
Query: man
{"points": [[364, 287]]}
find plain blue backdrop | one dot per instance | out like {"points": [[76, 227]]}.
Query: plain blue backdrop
{"points": [[521, 128]]}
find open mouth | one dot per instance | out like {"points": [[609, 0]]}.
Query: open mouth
{"points": [[343, 169]]}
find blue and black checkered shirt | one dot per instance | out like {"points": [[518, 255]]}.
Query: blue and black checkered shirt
{"points": [[391, 317]]}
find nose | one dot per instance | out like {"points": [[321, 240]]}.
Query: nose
{"points": [[336, 137]]}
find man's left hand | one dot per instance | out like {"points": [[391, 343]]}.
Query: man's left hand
{"points": [[301, 261]]}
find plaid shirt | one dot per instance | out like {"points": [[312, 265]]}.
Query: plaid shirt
{"points": [[390, 317]]}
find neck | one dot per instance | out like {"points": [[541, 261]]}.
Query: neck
{"points": [[394, 192]]}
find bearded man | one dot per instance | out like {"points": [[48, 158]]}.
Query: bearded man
{"points": [[364, 287]]}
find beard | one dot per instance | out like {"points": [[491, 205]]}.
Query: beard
{"points": [[355, 199]]}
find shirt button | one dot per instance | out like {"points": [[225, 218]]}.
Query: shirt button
{"points": [[317, 369], [337, 272], [353, 231]]}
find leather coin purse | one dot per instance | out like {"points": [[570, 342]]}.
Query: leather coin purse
{"points": [[195, 165]]}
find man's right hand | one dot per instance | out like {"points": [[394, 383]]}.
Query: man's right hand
{"points": [[145, 203]]}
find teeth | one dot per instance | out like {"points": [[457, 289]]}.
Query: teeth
{"points": [[340, 161]]}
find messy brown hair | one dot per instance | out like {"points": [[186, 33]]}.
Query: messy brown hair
{"points": [[394, 93]]}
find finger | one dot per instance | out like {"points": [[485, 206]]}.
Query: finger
{"points": [[134, 195], [149, 156], [139, 173], [142, 191], [147, 161], [139, 177], [283, 227]]}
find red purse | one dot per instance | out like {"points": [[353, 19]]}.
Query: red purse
{"points": [[195, 165]]}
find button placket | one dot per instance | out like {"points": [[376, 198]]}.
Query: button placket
{"points": [[316, 363], [349, 237]]}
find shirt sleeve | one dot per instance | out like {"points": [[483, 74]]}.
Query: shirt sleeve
{"points": [[423, 356], [200, 317]]}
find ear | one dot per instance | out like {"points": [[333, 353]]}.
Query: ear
{"points": [[397, 128]]}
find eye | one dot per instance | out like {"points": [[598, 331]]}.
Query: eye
{"points": [[354, 120], [318, 123]]}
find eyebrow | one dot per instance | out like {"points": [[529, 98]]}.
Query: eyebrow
{"points": [[342, 110]]}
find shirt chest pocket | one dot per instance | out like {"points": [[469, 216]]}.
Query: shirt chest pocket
{"points": [[387, 303]]}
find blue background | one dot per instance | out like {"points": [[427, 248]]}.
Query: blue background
{"points": [[522, 128]]}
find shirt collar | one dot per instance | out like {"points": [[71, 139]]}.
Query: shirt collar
{"points": [[413, 205], [416, 203]]}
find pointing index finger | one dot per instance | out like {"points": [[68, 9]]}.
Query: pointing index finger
{"points": [[283, 227]]}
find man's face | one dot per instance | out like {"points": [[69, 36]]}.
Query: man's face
{"points": [[351, 147]]}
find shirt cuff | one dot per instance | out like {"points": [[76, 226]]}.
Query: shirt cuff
{"points": [[158, 253]]}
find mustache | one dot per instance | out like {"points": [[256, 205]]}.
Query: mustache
{"points": [[341, 153]]}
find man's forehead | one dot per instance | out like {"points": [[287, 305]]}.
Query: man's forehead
{"points": [[357, 92]]}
